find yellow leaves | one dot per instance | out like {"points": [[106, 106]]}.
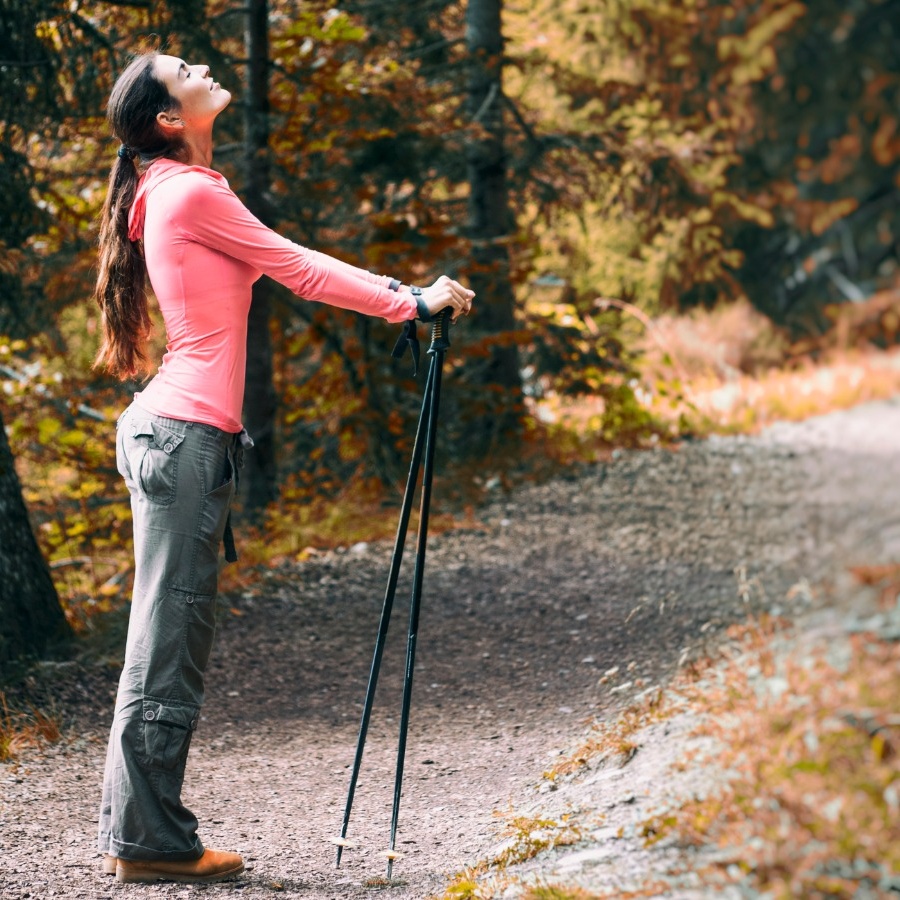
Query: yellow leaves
{"points": [[351, 446], [48, 429], [48, 31], [746, 209], [73, 438], [754, 50], [308, 27], [881, 749], [66, 462]]}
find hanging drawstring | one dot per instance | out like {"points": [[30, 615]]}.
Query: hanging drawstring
{"points": [[242, 441]]}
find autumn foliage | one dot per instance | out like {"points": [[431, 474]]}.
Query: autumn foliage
{"points": [[660, 156]]}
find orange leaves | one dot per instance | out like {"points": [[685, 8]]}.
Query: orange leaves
{"points": [[811, 750], [885, 579], [886, 142], [817, 216], [19, 729], [829, 213]]}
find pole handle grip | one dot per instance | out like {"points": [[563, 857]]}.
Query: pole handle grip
{"points": [[440, 330]]}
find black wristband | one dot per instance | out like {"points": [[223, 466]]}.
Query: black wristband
{"points": [[395, 284], [422, 311]]}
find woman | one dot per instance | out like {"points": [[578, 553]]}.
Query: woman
{"points": [[179, 443]]}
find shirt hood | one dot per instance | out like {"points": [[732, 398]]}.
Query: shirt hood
{"points": [[159, 171]]}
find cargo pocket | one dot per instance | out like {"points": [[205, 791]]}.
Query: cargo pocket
{"points": [[167, 729], [199, 633], [156, 471]]}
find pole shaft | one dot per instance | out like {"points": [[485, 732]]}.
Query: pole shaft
{"points": [[387, 606], [434, 397]]}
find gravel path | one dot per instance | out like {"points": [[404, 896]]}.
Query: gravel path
{"points": [[639, 563]]}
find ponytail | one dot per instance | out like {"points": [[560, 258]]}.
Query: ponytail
{"points": [[121, 291], [137, 97]]}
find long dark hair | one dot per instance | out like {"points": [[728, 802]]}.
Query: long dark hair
{"points": [[136, 99]]}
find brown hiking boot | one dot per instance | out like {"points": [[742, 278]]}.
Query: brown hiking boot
{"points": [[109, 864], [214, 865]]}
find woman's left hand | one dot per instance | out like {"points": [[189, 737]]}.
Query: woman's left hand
{"points": [[447, 292]]}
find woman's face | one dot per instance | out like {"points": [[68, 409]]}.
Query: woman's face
{"points": [[201, 98]]}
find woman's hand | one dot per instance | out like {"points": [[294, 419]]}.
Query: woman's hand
{"points": [[447, 292]]}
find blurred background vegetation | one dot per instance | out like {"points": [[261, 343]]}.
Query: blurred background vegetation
{"points": [[679, 215]]}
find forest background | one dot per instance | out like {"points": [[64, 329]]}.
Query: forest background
{"points": [[661, 205]]}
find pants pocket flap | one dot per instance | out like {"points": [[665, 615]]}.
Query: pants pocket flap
{"points": [[163, 437], [173, 715]]}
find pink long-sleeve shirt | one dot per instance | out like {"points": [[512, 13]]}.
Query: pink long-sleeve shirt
{"points": [[204, 250]]}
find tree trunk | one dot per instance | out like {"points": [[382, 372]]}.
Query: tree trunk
{"points": [[259, 478], [490, 221], [31, 619]]}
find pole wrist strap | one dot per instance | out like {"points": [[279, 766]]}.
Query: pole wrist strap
{"points": [[422, 312], [408, 338]]}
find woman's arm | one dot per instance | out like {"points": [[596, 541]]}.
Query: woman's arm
{"points": [[207, 211]]}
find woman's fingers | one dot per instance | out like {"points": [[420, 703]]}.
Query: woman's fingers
{"points": [[447, 292], [465, 297]]}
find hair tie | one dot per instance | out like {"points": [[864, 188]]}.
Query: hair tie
{"points": [[126, 152]]}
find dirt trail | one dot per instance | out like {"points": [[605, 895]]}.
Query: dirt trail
{"points": [[638, 563]]}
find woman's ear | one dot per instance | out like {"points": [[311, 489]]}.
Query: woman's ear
{"points": [[169, 121]]}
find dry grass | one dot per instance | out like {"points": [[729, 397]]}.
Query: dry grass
{"points": [[613, 740], [557, 892], [732, 370], [19, 730], [813, 805], [723, 343], [746, 403], [526, 837], [570, 892]]}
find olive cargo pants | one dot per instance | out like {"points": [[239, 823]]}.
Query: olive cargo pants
{"points": [[181, 477]]}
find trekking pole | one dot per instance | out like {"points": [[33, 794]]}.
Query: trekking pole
{"points": [[424, 425], [440, 341]]}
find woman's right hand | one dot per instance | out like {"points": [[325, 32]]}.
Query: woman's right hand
{"points": [[447, 292]]}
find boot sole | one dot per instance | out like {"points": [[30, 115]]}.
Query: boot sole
{"points": [[148, 876]]}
